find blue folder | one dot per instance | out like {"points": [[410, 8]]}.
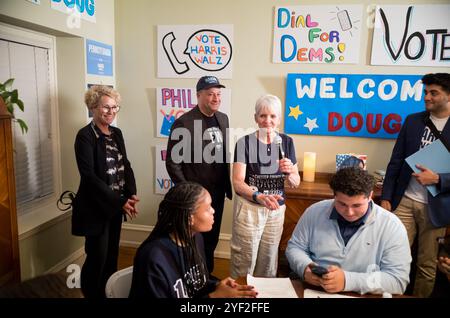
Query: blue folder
{"points": [[434, 157]]}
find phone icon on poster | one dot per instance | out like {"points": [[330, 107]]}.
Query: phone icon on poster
{"points": [[167, 43]]}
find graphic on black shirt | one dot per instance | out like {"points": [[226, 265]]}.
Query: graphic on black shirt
{"points": [[215, 135], [267, 183], [427, 137], [115, 172], [262, 163], [214, 150], [192, 278], [115, 169]]}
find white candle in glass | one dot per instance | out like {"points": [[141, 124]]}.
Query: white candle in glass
{"points": [[309, 166]]}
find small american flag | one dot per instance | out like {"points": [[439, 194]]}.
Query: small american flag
{"points": [[350, 160]]}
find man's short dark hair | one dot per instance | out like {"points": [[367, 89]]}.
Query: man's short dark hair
{"points": [[441, 79], [352, 181]]}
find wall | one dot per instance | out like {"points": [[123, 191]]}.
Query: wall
{"points": [[133, 36], [50, 246], [253, 75]]}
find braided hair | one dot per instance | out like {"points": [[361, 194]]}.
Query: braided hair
{"points": [[174, 218]]}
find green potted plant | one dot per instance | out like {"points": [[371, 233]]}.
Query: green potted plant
{"points": [[11, 98]]}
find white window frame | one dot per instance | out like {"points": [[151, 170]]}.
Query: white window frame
{"points": [[39, 211]]}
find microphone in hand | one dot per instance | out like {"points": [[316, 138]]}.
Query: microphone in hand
{"points": [[279, 142], [281, 154]]}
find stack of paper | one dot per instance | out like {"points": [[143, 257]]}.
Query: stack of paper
{"points": [[309, 293], [272, 287]]}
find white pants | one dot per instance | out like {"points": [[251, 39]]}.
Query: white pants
{"points": [[255, 239]]}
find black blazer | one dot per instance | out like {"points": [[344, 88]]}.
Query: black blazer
{"points": [[198, 172], [398, 173], [95, 203]]}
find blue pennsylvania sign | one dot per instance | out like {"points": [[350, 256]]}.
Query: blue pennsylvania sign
{"points": [[99, 58], [361, 105]]}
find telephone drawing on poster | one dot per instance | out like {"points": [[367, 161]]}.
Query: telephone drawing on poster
{"points": [[188, 51]]}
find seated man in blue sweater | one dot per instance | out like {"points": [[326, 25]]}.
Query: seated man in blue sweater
{"points": [[363, 247]]}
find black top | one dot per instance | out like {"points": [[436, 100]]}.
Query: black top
{"points": [[399, 173], [159, 271], [262, 167], [192, 166], [96, 203], [114, 161], [214, 152]]}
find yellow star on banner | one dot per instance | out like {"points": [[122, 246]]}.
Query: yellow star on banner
{"points": [[295, 111]]}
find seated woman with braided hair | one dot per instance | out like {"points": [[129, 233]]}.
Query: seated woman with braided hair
{"points": [[170, 262]]}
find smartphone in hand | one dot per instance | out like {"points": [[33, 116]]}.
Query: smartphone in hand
{"points": [[319, 270]]}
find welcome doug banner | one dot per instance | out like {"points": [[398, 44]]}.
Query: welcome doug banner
{"points": [[362, 105], [317, 34]]}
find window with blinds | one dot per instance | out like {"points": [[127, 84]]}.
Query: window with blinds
{"points": [[33, 151]]}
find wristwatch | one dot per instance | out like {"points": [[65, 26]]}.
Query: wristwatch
{"points": [[255, 195]]}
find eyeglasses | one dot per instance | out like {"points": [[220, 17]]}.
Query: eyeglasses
{"points": [[107, 108]]}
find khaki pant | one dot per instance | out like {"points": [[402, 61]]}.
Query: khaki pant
{"points": [[414, 217], [255, 239]]}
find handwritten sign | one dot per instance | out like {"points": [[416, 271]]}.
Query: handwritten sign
{"points": [[317, 34], [191, 51], [412, 35], [362, 105], [172, 102], [84, 9], [162, 180]]}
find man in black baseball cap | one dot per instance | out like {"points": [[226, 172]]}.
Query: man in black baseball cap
{"points": [[204, 162], [207, 82]]}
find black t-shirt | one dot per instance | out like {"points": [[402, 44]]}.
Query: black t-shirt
{"points": [[262, 167], [214, 151]]}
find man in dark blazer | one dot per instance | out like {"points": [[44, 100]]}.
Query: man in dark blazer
{"points": [[405, 192], [197, 151]]}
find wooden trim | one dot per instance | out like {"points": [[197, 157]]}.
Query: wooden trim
{"points": [[10, 269], [3, 112]]}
